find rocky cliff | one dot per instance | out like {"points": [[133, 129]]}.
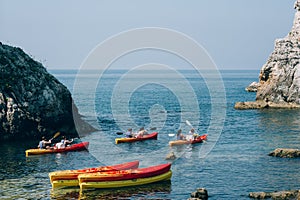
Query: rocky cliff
{"points": [[279, 79], [32, 101]]}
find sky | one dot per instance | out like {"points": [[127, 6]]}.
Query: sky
{"points": [[237, 34]]}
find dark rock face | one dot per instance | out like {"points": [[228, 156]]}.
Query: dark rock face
{"points": [[32, 101]]}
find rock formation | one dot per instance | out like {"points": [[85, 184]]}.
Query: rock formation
{"points": [[285, 153], [32, 101], [279, 79], [199, 194], [281, 195], [252, 87], [171, 156]]}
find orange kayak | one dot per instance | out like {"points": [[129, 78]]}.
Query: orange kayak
{"points": [[73, 174], [199, 139], [152, 136]]}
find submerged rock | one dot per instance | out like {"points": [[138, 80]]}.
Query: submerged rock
{"points": [[281, 195], [171, 156], [199, 194], [32, 101], [279, 78], [285, 153]]}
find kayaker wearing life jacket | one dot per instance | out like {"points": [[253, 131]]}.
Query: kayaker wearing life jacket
{"points": [[191, 135], [129, 133], [43, 143], [63, 143], [179, 135], [141, 132]]}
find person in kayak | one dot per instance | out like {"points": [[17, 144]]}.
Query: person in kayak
{"points": [[179, 135], [129, 133], [43, 143], [191, 135], [141, 133], [63, 143]]}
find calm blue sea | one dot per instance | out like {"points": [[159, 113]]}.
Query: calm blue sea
{"points": [[233, 162]]}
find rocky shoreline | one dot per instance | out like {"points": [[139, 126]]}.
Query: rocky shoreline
{"points": [[264, 104]]}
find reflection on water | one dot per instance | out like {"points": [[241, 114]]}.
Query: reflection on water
{"points": [[160, 189], [280, 126]]}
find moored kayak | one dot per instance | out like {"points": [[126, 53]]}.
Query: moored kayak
{"points": [[125, 174], [68, 178], [73, 174], [126, 183], [73, 147], [152, 136], [199, 139]]}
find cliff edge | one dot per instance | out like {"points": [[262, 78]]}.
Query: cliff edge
{"points": [[279, 78], [32, 101]]}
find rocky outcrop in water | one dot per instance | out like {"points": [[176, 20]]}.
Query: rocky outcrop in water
{"points": [[199, 194], [32, 101], [171, 156], [281, 195], [279, 79], [252, 87], [285, 153]]}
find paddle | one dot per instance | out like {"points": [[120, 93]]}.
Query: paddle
{"points": [[55, 135], [171, 134], [188, 123]]}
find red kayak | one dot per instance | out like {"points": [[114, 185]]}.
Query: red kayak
{"points": [[199, 139], [73, 147], [130, 174], [150, 136], [73, 174]]}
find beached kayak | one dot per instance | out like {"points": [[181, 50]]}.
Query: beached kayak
{"points": [[199, 139], [152, 136], [74, 147], [126, 183], [68, 178], [125, 174]]}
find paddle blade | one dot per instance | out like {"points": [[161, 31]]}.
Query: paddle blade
{"points": [[56, 135], [171, 135], [153, 128], [188, 123], [119, 133]]}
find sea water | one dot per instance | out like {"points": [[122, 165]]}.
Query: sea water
{"points": [[230, 164]]}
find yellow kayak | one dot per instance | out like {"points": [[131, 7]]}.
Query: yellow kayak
{"points": [[151, 136], [74, 147], [65, 183], [126, 183], [69, 178]]}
